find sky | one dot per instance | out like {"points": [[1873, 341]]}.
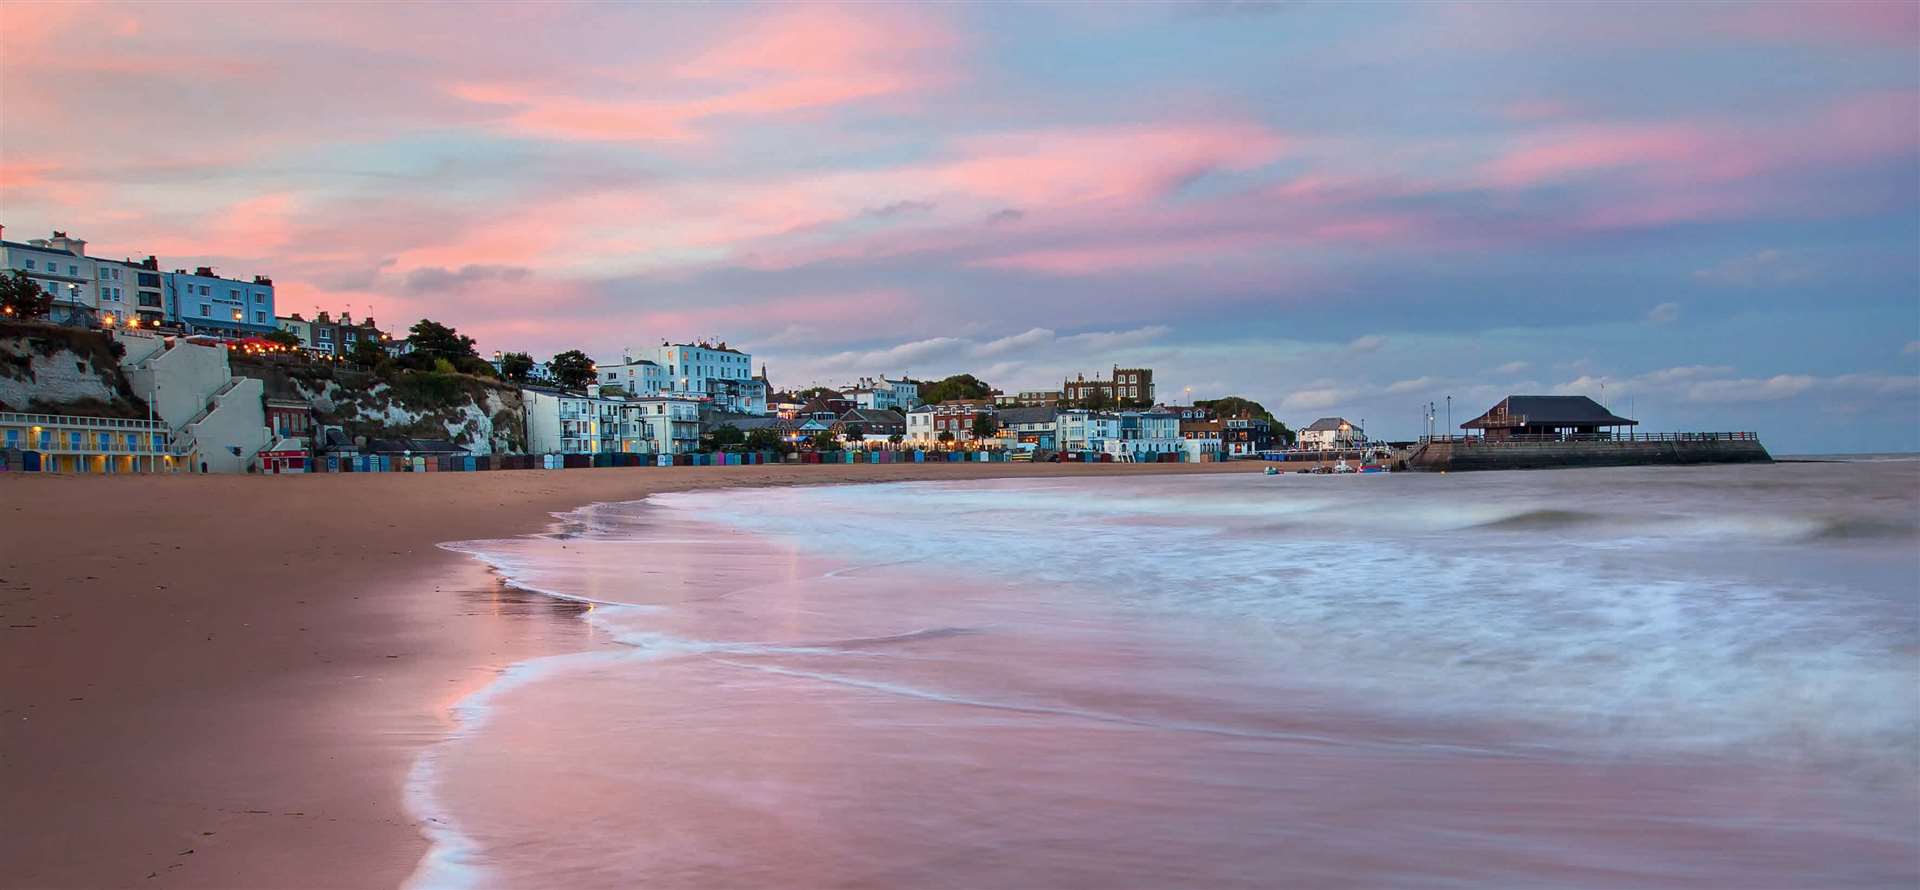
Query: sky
{"points": [[1706, 216]]}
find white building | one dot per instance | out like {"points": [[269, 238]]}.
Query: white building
{"points": [[59, 266], [1084, 430], [1329, 433], [1145, 435], [883, 394], [571, 423], [635, 377], [709, 370], [660, 425], [218, 422]]}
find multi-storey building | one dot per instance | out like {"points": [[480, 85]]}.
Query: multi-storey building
{"points": [[1246, 436], [635, 377], [1084, 430], [560, 422], [663, 424], [954, 416], [1032, 398], [65, 443], [1145, 435], [706, 370], [59, 266], [1036, 426], [327, 335], [1129, 386], [883, 394], [205, 303], [1332, 432]]}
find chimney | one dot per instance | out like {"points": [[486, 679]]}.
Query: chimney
{"points": [[262, 279], [204, 271], [151, 262]]}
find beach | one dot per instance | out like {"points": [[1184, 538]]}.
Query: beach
{"points": [[222, 681]]}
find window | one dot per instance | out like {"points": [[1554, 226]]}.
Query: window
{"points": [[233, 293], [13, 438], [106, 441], [73, 441], [46, 439], [30, 264], [205, 310], [203, 291], [73, 270], [260, 317], [259, 297], [133, 442]]}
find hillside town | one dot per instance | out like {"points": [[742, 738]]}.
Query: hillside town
{"points": [[214, 378]]}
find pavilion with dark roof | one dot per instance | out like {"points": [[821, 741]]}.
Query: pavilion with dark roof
{"points": [[1547, 417]]}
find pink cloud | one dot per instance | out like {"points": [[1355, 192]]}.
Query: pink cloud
{"points": [[1584, 149], [1127, 164]]}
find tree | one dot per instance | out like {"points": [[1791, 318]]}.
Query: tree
{"points": [[440, 341], [946, 436], [854, 432], [824, 441], [1237, 406], [21, 298], [516, 366], [367, 353], [764, 439], [1097, 400], [959, 386], [896, 439], [819, 392], [724, 435], [985, 426], [283, 337], [572, 369]]}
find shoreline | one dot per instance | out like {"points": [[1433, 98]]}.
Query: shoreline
{"points": [[225, 681]]}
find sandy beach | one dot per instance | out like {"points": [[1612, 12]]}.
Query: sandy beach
{"points": [[221, 681]]}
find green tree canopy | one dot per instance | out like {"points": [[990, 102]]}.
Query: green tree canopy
{"points": [[1237, 406], [854, 432], [440, 341], [282, 337], [819, 392], [945, 436], [824, 441], [516, 366], [21, 298], [985, 426], [573, 369], [959, 386], [367, 353], [764, 439], [1097, 400], [726, 434]]}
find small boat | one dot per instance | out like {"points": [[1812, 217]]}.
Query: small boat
{"points": [[1273, 471], [1343, 467]]}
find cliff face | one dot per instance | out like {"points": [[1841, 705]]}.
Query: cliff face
{"points": [[53, 370], [480, 415]]}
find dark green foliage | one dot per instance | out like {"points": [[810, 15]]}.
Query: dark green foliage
{"points": [[21, 299], [764, 439], [516, 366], [366, 353], [824, 441], [438, 340], [959, 386], [725, 435], [282, 337], [854, 432], [572, 369], [985, 425]]}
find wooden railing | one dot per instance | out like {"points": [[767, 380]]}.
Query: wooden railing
{"points": [[1620, 439]]}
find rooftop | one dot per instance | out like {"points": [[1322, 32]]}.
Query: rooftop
{"points": [[1516, 411]]}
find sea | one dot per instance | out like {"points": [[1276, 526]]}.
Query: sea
{"points": [[1662, 677]]}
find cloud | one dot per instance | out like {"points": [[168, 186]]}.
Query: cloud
{"points": [[1417, 384], [1763, 269], [1513, 368], [432, 279], [1664, 313], [1779, 386], [1029, 339], [1367, 344], [1005, 217], [1105, 340], [901, 208]]}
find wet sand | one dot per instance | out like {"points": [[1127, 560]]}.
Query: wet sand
{"points": [[222, 681]]}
